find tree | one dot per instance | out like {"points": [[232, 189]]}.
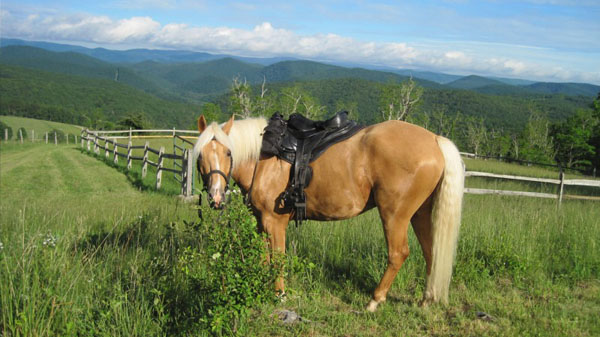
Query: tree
{"points": [[497, 143], [8, 131], [399, 100], [241, 102], [536, 142], [136, 121], [595, 137], [475, 134], [572, 139], [297, 100], [264, 104]]}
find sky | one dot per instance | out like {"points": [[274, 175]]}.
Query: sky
{"points": [[542, 40]]}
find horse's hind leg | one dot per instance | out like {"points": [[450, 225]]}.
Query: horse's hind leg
{"points": [[395, 226], [423, 225]]}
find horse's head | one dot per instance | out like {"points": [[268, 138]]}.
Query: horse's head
{"points": [[215, 163]]}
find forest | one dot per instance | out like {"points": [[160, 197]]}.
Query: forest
{"points": [[553, 123]]}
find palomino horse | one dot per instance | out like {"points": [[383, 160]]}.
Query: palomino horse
{"points": [[408, 173]]}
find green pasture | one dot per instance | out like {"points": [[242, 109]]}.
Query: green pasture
{"points": [[82, 240], [39, 126]]}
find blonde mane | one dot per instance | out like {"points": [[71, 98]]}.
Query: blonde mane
{"points": [[244, 139]]}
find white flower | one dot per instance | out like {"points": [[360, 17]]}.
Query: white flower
{"points": [[216, 256], [50, 240]]}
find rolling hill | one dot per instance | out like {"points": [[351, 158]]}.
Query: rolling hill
{"points": [[83, 100], [71, 87], [72, 63]]}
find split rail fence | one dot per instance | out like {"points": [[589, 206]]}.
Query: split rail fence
{"points": [[49, 137], [561, 182], [183, 166]]}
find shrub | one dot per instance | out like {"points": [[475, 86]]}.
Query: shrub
{"points": [[219, 273], [3, 127], [23, 132], [60, 136]]}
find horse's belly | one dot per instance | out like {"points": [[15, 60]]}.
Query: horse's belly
{"points": [[341, 204], [340, 187]]}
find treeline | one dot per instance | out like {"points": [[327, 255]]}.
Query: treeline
{"points": [[552, 129], [93, 103]]}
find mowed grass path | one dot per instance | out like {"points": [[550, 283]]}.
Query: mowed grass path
{"points": [[75, 239], [80, 242]]}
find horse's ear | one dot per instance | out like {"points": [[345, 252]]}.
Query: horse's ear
{"points": [[228, 125], [201, 123]]}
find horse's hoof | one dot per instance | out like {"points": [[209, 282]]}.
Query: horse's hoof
{"points": [[372, 306]]}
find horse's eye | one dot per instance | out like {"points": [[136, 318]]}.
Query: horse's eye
{"points": [[228, 153]]}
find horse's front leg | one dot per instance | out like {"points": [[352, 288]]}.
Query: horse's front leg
{"points": [[275, 225]]}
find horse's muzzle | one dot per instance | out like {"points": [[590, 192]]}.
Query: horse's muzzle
{"points": [[217, 200]]}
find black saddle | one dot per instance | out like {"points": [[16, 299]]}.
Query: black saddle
{"points": [[300, 141], [304, 127]]}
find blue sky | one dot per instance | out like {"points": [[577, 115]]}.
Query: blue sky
{"points": [[547, 40]]}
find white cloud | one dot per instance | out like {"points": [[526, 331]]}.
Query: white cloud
{"points": [[265, 40]]}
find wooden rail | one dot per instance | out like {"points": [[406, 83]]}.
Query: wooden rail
{"points": [[561, 181], [182, 163]]}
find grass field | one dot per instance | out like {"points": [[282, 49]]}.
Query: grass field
{"points": [[79, 239], [39, 126]]}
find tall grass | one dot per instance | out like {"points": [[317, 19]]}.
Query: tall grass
{"points": [[83, 246]]}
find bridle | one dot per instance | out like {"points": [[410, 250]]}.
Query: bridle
{"points": [[205, 179]]}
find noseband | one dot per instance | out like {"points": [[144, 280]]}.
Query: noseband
{"points": [[227, 177]]}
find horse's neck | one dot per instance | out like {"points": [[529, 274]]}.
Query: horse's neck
{"points": [[243, 174]]}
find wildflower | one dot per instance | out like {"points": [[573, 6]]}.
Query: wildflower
{"points": [[1, 245], [50, 240], [216, 256]]}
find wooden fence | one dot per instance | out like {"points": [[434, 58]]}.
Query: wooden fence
{"points": [[48, 137], [561, 182], [183, 166]]}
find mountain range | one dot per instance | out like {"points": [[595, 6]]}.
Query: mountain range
{"points": [[288, 69], [45, 80]]}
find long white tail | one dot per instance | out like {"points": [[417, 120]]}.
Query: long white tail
{"points": [[447, 206]]}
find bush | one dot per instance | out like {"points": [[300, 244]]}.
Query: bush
{"points": [[23, 132], [3, 127], [219, 274], [60, 136]]}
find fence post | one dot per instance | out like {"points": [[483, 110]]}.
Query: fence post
{"points": [[187, 173], [159, 167], [561, 177], [129, 155], [46, 137], [21, 135], [67, 136], [32, 135], [55, 139], [130, 134], [5, 134], [145, 165], [96, 147], [116, 156]]}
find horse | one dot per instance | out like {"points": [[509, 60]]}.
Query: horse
{"points": [[410, 174]]}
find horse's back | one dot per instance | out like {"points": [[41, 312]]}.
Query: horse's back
{"points": [[391, 156]]}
